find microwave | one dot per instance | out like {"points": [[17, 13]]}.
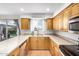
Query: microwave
{"points": [[74, 24]]}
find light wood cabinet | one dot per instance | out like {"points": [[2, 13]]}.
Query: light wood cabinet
{"points": [[66, 17], [22, 49], [33, 42], [49, 23], [27, 47], [39, 43], [54, 49], [16, 52], [25, 23], [57, 52], [57, 22], [46, 42], [75, 9], [60, 21]]}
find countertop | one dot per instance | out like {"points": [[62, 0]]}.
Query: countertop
{"points": [[9, 45]]}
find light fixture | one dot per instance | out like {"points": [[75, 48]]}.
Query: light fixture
{"points": [[47, 9], [21, 9]]}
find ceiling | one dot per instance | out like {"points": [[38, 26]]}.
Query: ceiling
{"points": [[31, 9]]}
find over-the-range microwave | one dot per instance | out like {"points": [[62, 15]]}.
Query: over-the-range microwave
{"points": [[74, 25]]}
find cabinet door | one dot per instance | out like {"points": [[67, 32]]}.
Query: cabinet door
{"points": [[58, 52], [25, 23], [75, 10], [33, 43], [16, 52], [52, 48], [27, 47], [49, 24], [23, 49], [55, 51], [40, 42], [55, 23], [67, 15], [46, 43], [60, 22]]}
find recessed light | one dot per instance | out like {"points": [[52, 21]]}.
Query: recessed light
{"points": [[21, 9], [47, 9]]}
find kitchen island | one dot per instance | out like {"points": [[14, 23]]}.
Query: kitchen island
{"points": [[9, 45]]}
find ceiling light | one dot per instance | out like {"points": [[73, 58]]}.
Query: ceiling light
{"points": [[21, 9], [47, 9]]}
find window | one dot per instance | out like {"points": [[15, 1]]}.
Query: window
{"points": [[37, 23], [8, 28]]}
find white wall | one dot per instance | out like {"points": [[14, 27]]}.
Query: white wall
{"points": [[9, 16]]}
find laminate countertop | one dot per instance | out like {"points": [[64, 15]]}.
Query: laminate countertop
{"points": [[9, 45]]}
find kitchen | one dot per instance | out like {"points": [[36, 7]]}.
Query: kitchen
{"points": [[47, 30]]}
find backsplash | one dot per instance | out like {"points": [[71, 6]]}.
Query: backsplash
{"points": [[41, 32], [68, 35]]}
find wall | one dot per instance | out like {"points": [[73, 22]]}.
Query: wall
{"points": [[9, 16]]}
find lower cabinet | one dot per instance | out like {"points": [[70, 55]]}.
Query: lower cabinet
{"points": [[54, 49], [22, 49], [58, 52], [16, 52], [27, 47], [33, 42], [39, 42], [46, 42]]}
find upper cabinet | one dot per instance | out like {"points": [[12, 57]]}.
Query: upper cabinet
{"points": [[49, 23], [57, 22], [60, 22], [25, 23], [75, 9], [66, 16]]}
